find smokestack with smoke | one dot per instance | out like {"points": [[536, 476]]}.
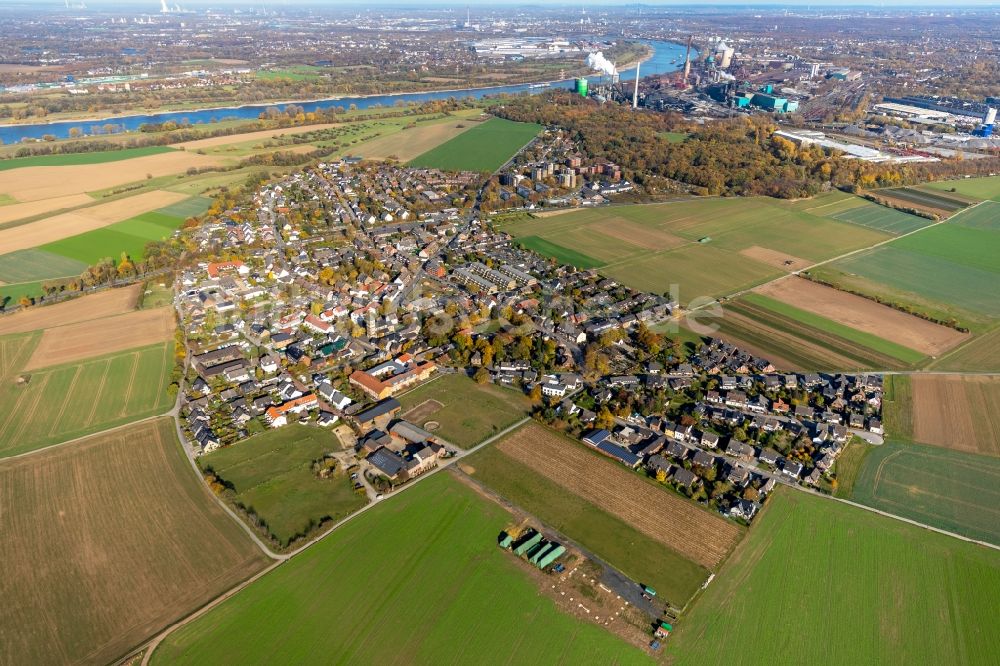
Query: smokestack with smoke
{"points": [[598, 63]]}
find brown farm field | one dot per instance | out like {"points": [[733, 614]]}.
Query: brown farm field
{"points": [[55, 228], [680, 525], [409, 143], [866, 315], [83, 340], [106, 541], [19, 211], [785, 262], [959, 412], [85, 308], [45, 182]]}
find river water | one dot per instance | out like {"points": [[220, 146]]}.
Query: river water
{"points": [[667, 57]]}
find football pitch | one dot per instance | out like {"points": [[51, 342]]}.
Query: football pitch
{"points": [[875, 590], [418, 579]]}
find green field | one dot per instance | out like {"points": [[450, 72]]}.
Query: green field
{"points": [[984, 216], [848, 465], [37, 265], [617, 543], [882, 218], [656, 247], [981, 353], [897, 407], [419, 579], [25, 270], [674, 137], [272, 476], [72, 400], [981, 188], [468, 412], [10, 294], [948, 271], [485, 147], [73, 159], [292, 73], [952, 490], [561, 254], [820, 582], [899, 352]]}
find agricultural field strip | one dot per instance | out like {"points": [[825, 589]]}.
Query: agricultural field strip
{"points": [[684, 527], [825, 261]]}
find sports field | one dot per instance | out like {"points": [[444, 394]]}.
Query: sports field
{"points": [[272, 476], [704, 247], [957, 412], [639, 556], [419, 579], [106, 541], [73, 159], [485, 147], [75, 399], [875, 590], [987, 187], [466, 412], [952, 490]]}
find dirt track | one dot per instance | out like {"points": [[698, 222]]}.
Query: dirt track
{"points": [[65, 225], [680, 525], [87, 339], [865, 315], [94, 306]]}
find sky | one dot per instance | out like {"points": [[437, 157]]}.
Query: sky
{"points": [[153, 5]]}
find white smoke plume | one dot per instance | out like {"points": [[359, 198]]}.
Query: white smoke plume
{"points": [[599, 63]]}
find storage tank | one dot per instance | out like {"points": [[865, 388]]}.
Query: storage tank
{"points": [[581, 86], [990, 117]]}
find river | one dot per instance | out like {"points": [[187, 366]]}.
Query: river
{"points": [[667, 57]]}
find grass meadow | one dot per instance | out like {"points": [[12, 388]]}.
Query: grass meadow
{"points": [[105, 542], [818, 581], [485, 147], [952, 490], [708, 247], [466, 412], [981, 188], [76, 399], [418, 579], [640, 557], [948, 271], [74, 159], [272, 475]]}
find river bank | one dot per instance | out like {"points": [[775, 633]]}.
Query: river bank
{"points": [[662, 58]]}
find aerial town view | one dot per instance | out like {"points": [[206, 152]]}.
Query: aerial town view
{"points": [[585, 333]]}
